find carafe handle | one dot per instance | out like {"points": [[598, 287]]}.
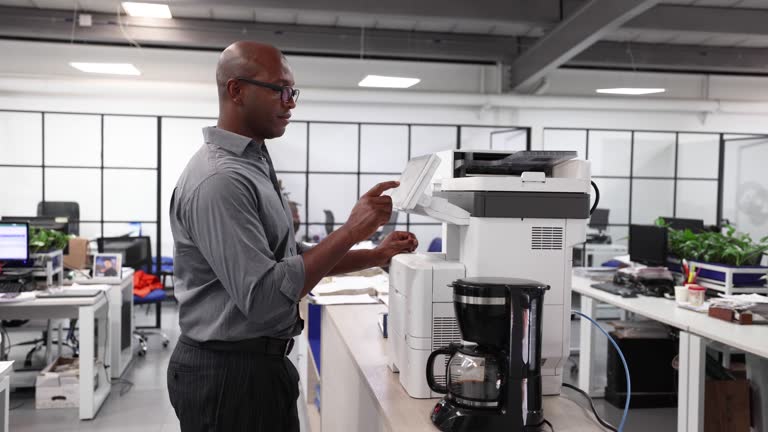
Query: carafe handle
{"points": [[437, 388]]}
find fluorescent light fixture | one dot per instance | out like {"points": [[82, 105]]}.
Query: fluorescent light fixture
{"points": [[631, 90], [388, 81], [107, 68], [147, 10]]}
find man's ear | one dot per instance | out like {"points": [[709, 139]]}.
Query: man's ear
{"points": [[235, 91]]}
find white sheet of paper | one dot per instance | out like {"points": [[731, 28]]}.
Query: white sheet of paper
{"points": [[343, 299], [380, 283]]}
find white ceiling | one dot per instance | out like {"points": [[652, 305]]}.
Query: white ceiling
{"points": [[47, 65], [51, 60]]}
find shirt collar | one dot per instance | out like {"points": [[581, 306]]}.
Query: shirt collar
{"points": [[227, 140]]}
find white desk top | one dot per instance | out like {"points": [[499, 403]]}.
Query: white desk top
{"points": [[358, 329], [55, 302], [748, 338], [5, 368]]}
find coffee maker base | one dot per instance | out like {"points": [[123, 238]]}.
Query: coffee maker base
{"points": [[449, 417]]}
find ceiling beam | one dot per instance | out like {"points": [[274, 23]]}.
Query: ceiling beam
{"points": [[674, 58], [700, 19], [585, 26], [528, 11], [50, 25]]}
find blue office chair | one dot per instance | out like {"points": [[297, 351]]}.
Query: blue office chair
{"points": [[436, 245]]}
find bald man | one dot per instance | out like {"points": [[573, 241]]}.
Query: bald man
{"points": [[239, 273]]}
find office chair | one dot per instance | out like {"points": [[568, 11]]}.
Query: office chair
{"points": [[70, 210], [436, 245], [329, 220], [137, 254]]}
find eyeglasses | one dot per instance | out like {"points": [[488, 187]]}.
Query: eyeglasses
{"points": [[286, 93]]}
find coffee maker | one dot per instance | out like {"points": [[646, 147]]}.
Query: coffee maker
{"points": [[493, 379]]}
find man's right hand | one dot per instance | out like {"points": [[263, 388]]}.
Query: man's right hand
{"points": [[371, 211]]}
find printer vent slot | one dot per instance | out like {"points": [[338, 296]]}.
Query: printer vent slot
{"points": [[445, 330], [547, 238]]}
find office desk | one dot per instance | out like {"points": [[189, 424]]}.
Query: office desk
{"points": [[360, 393], [121, 325], [87, 310], [5, 370], [693, 326]]}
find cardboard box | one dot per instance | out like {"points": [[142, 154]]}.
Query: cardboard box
{"points": [[78, 253], [726, 406], [58, 385]]}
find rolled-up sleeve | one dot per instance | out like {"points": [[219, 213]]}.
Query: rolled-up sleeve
{"points": [[222, 219]]}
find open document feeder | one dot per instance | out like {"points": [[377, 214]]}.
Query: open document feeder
{"points": [[505, 214]]}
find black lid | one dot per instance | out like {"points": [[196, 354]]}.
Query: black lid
{"points": [[494, 286]]}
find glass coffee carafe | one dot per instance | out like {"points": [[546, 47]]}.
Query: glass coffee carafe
{"points": [[474, 378]]}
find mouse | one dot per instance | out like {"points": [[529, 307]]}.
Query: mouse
{"points": [[627, 293]]}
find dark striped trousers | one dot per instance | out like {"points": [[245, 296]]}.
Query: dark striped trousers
{"points": [[220, 391]]}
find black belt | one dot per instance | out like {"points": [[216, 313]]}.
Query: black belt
{"points": [[261, 345]]}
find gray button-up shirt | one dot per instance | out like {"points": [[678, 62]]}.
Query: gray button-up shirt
{"points": [[237, 271]]}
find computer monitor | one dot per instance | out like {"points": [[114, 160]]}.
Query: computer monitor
{"points": [[648, 245], [695, 225], [599, 219], [14, 244], [48, 222], [136, 251]]}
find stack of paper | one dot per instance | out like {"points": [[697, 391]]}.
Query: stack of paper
{"points": [[753, 302], [342, 299], [351, 285], [350, 289]]}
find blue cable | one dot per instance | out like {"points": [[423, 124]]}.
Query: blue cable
{"points": [[623, 360]]}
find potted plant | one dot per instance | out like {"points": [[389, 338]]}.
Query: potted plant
{"points": [[47, 245], [720, 253], [43, 240]]}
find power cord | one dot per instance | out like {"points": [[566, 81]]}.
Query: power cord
{"points": [[626, 372], [597, 197], [127, 385], [602, 422], [538, 426]]}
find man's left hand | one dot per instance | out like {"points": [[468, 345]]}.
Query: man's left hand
{"points": [[395, 243]]}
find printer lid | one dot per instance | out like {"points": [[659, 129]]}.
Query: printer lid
{"points": [[478, 163]]}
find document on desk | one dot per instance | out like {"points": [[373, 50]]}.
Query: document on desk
{"points": [[21, 297], [88, 287], [353, 285], [343, 299]]}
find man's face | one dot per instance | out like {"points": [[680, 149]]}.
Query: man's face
{"points": [[265, 113], [108, 264]]}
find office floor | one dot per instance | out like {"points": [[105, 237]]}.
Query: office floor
{"points": [[145, 408]]}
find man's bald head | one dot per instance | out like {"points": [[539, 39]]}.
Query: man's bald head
{"points": [[254, 106], [246, 59]]}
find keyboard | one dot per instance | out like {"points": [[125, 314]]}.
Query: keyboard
{"points": [[16, 285], [11, 287], [621, 290]]}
